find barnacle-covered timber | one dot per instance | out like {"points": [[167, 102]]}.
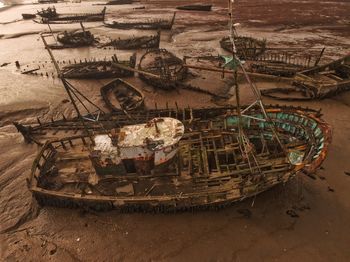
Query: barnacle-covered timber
{"points": [[158, 165], [248, 48], [164, 64], [50, 16], [155, 24], [121, 95], [99, 69], [316, 83]]}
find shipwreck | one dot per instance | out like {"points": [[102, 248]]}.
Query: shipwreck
{"points": [[50, 16], [152, 24]]}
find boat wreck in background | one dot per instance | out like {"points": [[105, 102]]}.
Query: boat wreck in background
{"points": [[197, 7], [120, 95], [99, 69], [50, 16], [119, 2], [73, 39], [316, 83], [285, 62], [151, 24], [248, 48], [164, 64], [146, 42]]}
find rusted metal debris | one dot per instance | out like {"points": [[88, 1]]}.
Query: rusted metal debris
{"points": [[316, 83], [164, 64], [120, 95], [175, 165], [145, 42], [50, 16], [197, 7], [152, 24], [248, 48], [99, 69]]}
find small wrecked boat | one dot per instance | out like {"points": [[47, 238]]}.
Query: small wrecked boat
{"points": [[153, 24], [28, 16], [163, 64], [285, 62], [73, 40], [146, 42], [248, 48], [119, 2], [121, 95], [197, 7], [99, 69], [50, 16], [162, 165], [316, 83]]}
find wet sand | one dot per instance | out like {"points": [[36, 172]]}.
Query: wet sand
{"points": [[264, 233]]}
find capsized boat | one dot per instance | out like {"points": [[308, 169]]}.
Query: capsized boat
{"points": [[121, 95], [153, 24], [99, 69], [162, 165]]}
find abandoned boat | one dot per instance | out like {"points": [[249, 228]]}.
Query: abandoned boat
{"points": [[73, 40], [121, 95], [197, 7], [167, 68], [160, 165], [153, 24], [119, 2], [99, 69], [50, 16], [316, 83], [28, 16], [146, 42], [285, 62], [248, 48]]}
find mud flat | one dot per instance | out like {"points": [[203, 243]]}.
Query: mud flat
{"points": [[304, 220]]}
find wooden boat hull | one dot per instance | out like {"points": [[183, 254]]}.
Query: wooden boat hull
{"points": [[147, 25], [120, 95], [28, 16], [195, 7], [248, 48], [194, 191], [71, 18], [98, 69], [316, 83], [146, 42]]}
